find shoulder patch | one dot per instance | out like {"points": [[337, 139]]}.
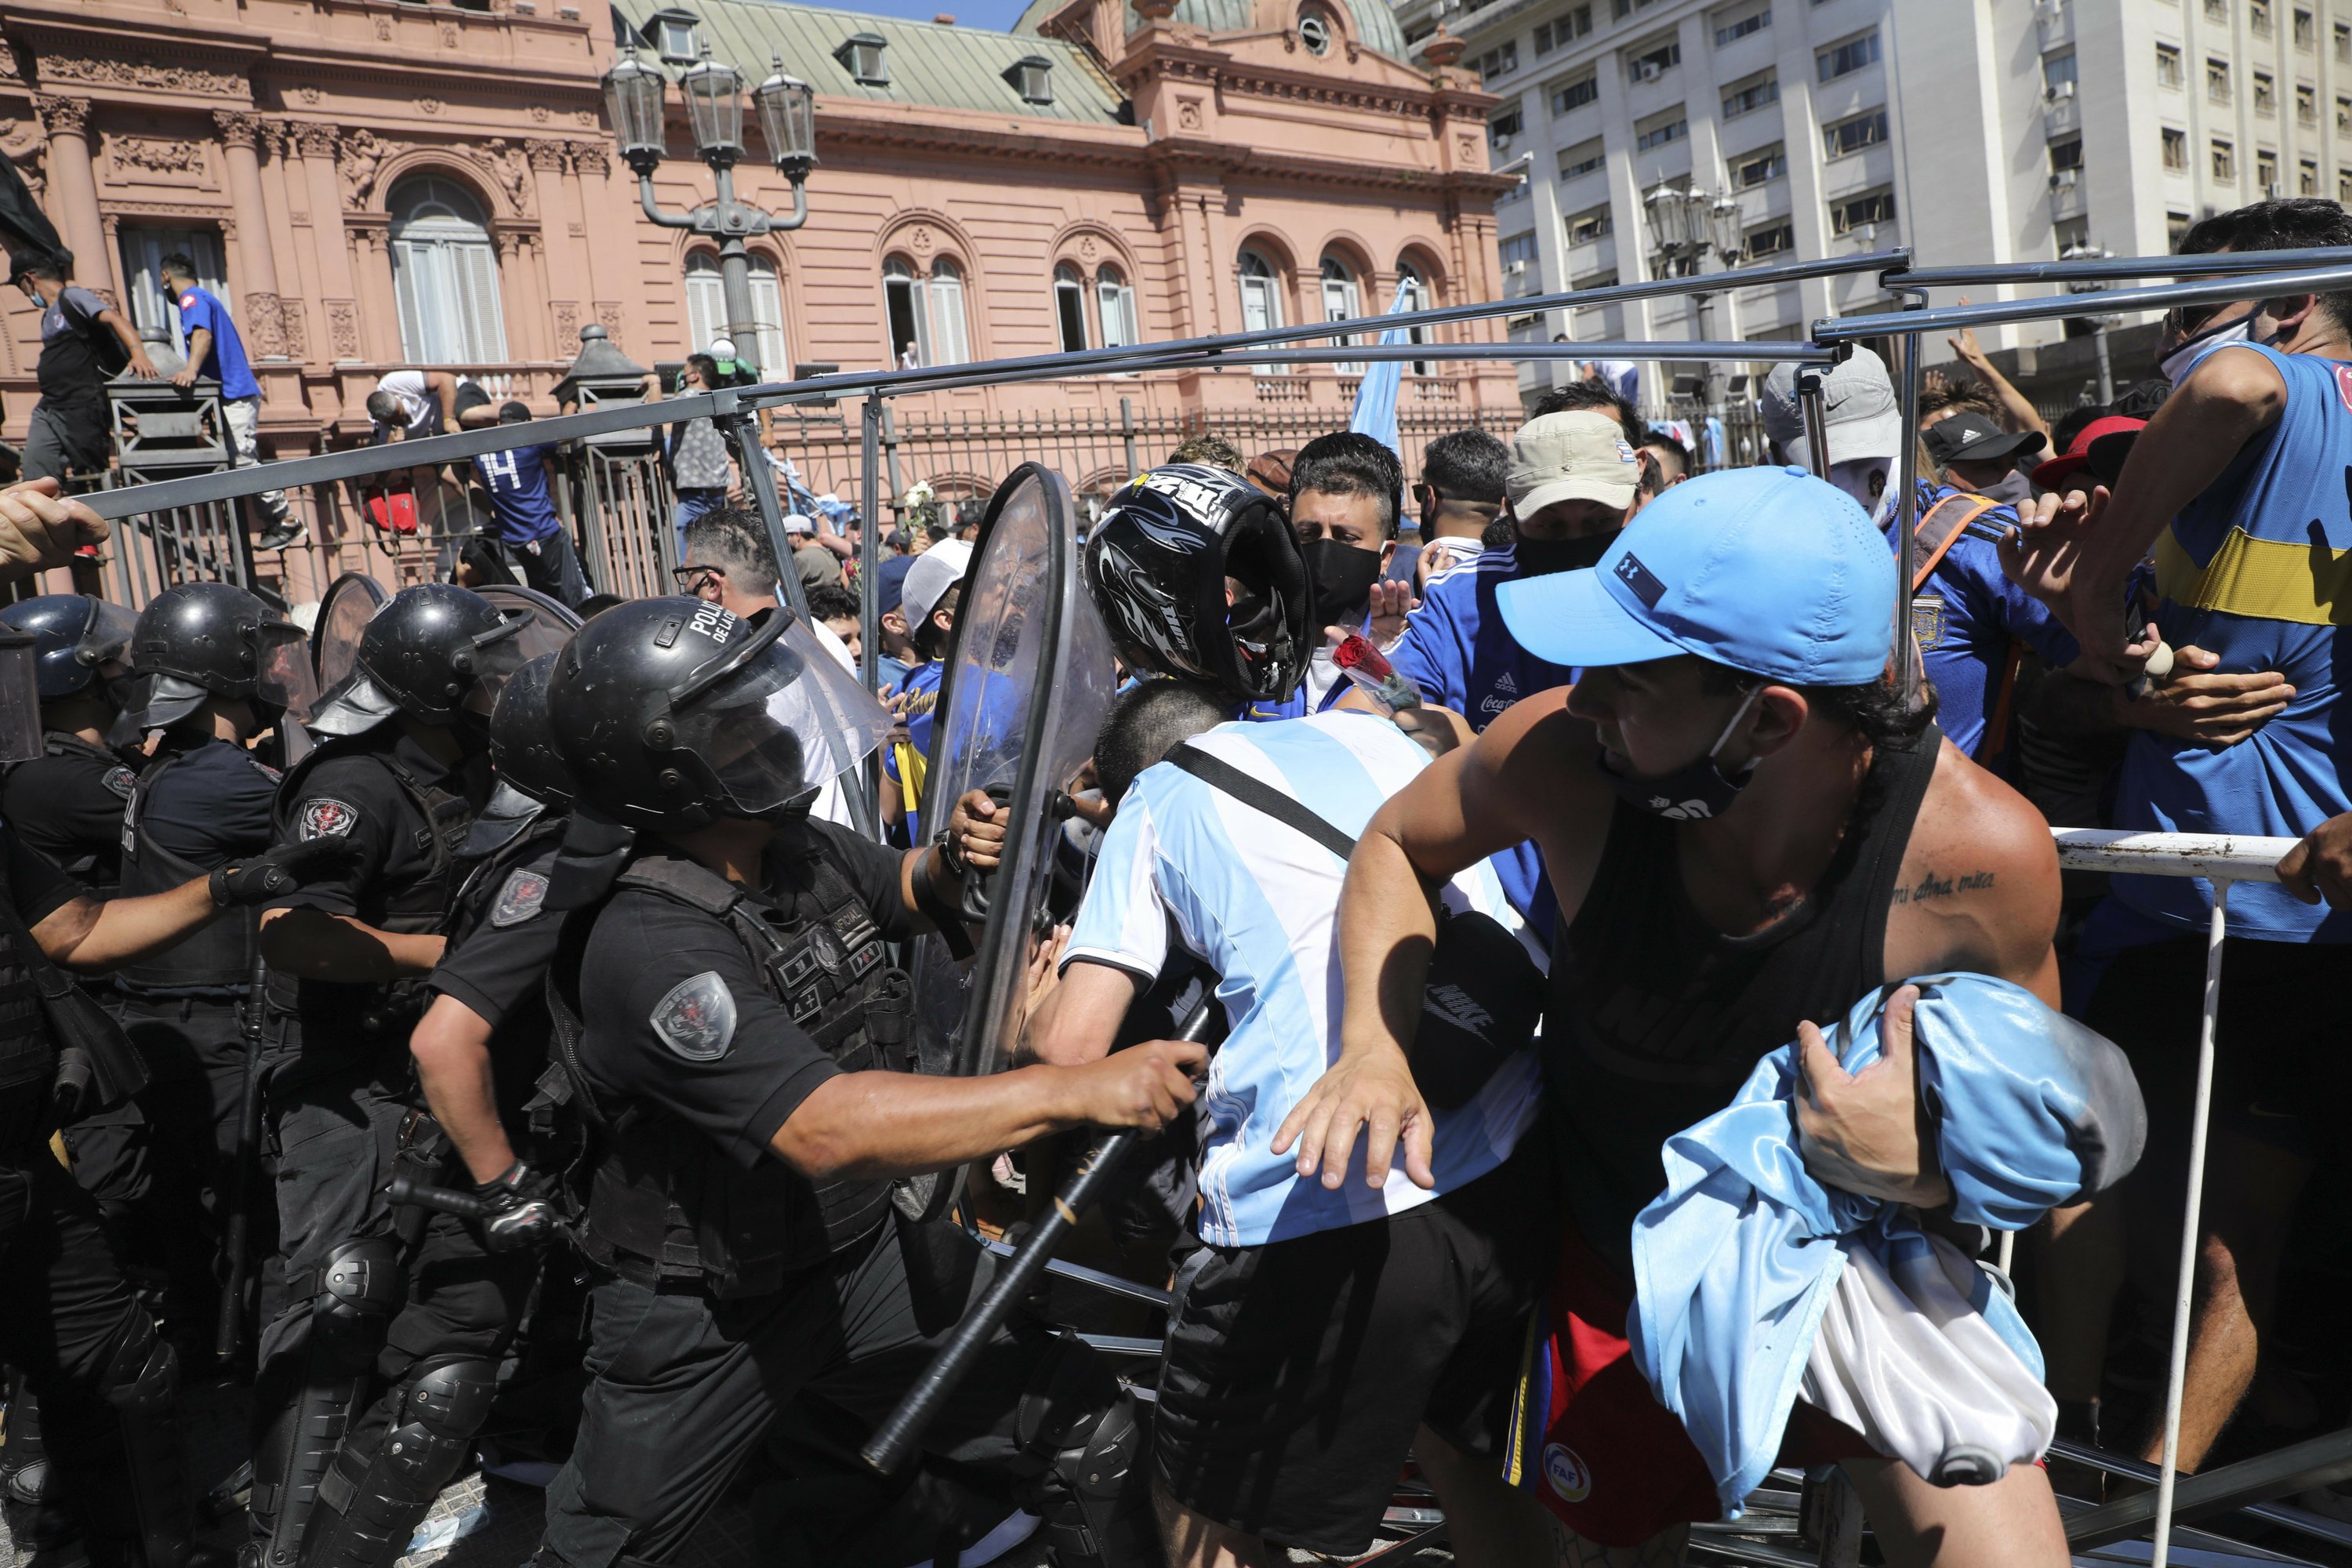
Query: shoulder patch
{"points": [[120, 780], [696, 1017], [521, 899], [323, 816]]}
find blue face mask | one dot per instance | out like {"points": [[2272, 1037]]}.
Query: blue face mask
{"points": [[1694, 792]]}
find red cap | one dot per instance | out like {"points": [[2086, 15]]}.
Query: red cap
{"points": [[2078, 451]]}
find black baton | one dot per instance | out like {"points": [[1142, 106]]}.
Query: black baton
{"points": [[897, 1434], [445, 1200]]}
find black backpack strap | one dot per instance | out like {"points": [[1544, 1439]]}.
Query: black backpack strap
{"points": [[689, 883], [1261, 797]]}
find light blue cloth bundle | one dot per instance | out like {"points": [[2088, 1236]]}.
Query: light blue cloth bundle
{"points": [[1736, 1261]]}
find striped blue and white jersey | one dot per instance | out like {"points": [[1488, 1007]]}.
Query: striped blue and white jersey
{"points": [[1257, 900]]}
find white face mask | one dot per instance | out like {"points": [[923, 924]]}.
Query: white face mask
{"points": [[1863, 478], [2175, 367]]}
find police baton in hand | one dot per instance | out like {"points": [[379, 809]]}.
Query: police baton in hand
{"points": [[904, 1427]]}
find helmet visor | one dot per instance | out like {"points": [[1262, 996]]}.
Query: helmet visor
{"points": [[286, 679], [20, 697], [776, 728], [105, 645], [497, 655]]}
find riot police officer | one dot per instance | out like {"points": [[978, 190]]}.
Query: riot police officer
{"points": [[214, 668], [105, 1377], [400, 772], [67, 803], [478, 1053], [730, 1024]]}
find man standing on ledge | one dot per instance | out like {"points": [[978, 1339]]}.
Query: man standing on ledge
{"points": [[215, 350]]}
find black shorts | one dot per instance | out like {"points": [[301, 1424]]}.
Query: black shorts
{"points": [[1297, 1372], [2280, 1067], [470, 395]]}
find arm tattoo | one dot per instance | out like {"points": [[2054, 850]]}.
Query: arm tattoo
{"points": [[1931, 886]]}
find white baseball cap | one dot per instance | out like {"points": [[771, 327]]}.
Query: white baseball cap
{"points": [[935, 571], [796, 524], [1858, 408], [722, 348], [1581, 453]]}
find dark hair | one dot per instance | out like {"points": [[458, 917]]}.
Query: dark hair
{"points": [[1971, 396], [2070, 424], [929, 639], [830, 602], [1874, 712], [731, 537], [54, 270], [2289, 223], [939, 530], [1147, 722], [513, 413], [707, 368], [1466, 465], [383, 407], [179, 264], [1591, 393], [1213, 451], [1348, 463], [1678, 457]]}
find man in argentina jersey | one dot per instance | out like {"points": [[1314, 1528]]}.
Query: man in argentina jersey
{"points": [[1315, 1327], [2238, 487]]}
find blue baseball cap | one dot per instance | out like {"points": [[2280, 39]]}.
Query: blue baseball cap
{"points": [[1766, 570]]}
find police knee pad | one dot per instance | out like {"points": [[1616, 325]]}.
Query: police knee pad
{"points": [[448, 1396], [361, 1278], [144, 1369], [1094, 1435]]}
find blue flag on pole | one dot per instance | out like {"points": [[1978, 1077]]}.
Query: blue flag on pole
{"points": [[1376, 395]]}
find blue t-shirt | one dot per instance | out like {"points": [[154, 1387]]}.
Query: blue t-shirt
{"points": [[1252, 899], [1463, 656], [224, 360], [517, 480], [1964, 617], [922, 683], [2255, 570]]}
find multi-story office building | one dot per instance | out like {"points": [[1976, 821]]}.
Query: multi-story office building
{"points": [[1969, 130]]}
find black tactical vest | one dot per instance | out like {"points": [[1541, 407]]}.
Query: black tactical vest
{"points": [[367, 1019], [662, 1195], [94, 867], [218, 957], [28, 1057]]}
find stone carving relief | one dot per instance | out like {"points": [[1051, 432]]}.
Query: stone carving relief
{"points": [[149, 74], [608, 316], [307, 96], [363, 152], [567, 323], [588, 157], [546, 157], [146, 155], [509, 167], [62, 116], [1188, 115], [383, 29], [343, 329]]}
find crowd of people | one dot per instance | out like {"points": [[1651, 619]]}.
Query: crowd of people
{"points": [[1581, 942]]}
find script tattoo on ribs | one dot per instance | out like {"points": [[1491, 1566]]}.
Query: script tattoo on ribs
{"points": [[1931, 886]]}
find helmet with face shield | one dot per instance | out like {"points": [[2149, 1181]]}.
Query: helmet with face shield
{"points": [[672, 713], [20, 695], [522, 742], [81, 644], [201, 640], [435, 652]]}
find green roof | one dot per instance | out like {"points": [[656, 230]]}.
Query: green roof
{"points": [[944, 67], [1375, 24]]}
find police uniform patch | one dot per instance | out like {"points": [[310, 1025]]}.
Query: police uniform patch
{"points": [[122, 781], [521, 899], [1927, 621], [696, 1017], [326, 817]]}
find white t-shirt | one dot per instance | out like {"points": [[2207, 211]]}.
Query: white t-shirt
{"points": [[408, 386]]}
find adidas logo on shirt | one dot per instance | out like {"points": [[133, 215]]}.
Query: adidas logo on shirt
{"points": [[1504, 685]]}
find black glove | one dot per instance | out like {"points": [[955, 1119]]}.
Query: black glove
{"points": [[523, 1201], [280, 869]]}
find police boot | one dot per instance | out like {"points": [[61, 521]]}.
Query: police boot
{"points": [[134, 1503], [371, 1503], [24, 1463], [358, 1286], [1094, 1435]]}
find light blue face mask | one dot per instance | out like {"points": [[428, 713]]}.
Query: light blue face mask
{"points": [[2175, 366]]}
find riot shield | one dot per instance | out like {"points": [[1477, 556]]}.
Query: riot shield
{"points": [[344, 610], [1029, 676], [549, 622]]}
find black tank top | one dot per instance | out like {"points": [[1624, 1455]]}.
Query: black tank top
{"points": [[1656, 1018]]}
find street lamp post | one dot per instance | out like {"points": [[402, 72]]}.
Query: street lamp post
{"points": [[713, 91], [2099, 325], [1686, 226]]}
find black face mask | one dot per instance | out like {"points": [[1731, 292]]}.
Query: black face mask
{"points": [[1340, 577], [1692, 793], [1543, 557]]}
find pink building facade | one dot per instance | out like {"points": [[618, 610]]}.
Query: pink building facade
{"points": [[374, 184]]}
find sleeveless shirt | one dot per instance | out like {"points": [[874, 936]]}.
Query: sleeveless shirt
{"points": [[1655, 1017]]}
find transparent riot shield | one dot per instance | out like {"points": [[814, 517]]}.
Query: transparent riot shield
{"points": [[549, 621], [344, 610], [1030, 678]]}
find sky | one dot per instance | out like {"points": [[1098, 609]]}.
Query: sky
{"points": [[997, 15]]}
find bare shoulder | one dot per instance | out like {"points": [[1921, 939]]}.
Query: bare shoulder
{"points": [[1979, 885]]}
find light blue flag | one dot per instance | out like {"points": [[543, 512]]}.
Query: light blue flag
{"points": [[1376, 395]]}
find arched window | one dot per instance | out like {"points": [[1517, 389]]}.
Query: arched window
{"points": [[1341, 302], [1116, 301], [1412, 294], [947, 313], [445, 273], [1261, 300], [706, 310], [1070, 307]]}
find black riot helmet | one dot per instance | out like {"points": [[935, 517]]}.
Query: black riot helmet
{"points": [[1157, 564], [522, 743], [80, 642], [671, 713], [20, 695], [434, 652], [215, 639]]}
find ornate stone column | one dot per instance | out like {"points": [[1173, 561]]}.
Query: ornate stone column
{"points": [[73, 189], [240, 135], [317, 146], [564, 239]]}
